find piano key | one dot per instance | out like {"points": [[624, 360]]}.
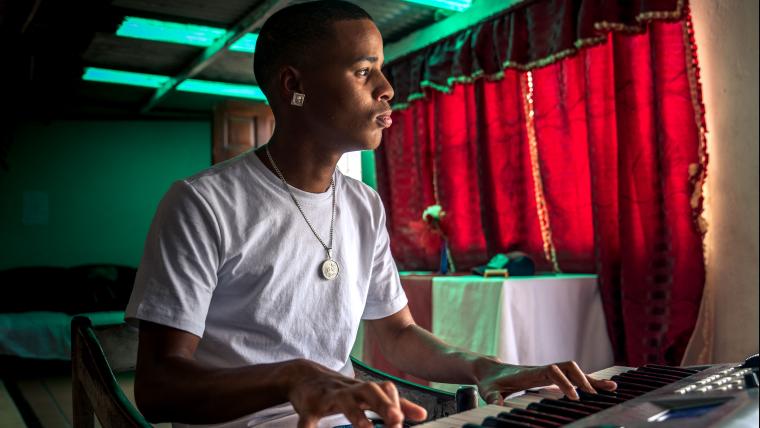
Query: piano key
{"points": [[554, 418], [663, 372], [523, 401], [494, 422], [610, 371], [632, 386], [626, 394], [658, 375], [478, 414], [556, 410], [572, 405], [684, 370], [603, 396], [544, 423], [546, 393], [598, 404], [644, 378]]}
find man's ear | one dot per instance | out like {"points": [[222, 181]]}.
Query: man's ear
{"points": [[289, 81]]}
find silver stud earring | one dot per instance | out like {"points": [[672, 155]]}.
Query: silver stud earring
{"points": [[297, 99]]}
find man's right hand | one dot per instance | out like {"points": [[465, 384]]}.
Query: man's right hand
{"points": [[321, 392]]}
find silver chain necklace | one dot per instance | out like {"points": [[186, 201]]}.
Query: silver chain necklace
{"points": [[329, 267]]}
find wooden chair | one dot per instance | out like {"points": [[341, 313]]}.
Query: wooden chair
{"points": [[97, 354]]}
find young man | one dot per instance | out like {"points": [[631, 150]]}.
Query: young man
{"points": [[257, 272]]}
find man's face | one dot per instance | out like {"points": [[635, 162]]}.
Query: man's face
{"points": [[346, 93]]}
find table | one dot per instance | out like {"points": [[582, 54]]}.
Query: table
{"points": [[532, 320]]}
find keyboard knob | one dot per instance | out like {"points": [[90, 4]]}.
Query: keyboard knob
{"points": [[467, 398], [752, 362], [750, 380]]}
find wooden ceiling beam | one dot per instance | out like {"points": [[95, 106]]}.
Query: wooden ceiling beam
{"points": [[253, 20]]}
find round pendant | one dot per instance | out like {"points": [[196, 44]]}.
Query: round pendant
{"points": [[330, 269]]}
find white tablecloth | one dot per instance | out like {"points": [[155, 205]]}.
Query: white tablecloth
{"points": [[524, 320]]}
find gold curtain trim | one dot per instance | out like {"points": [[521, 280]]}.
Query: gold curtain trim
{"points": [[643, 19], [697, 172], [526, 84], [697, 176]]}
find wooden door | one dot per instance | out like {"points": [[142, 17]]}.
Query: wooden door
{"points": [[240, 126]]}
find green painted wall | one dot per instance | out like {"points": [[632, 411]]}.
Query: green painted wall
{"points": [[369, 172], [85, 191]]}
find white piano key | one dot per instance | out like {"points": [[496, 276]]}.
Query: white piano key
{"points": [[610, 371], [523, 401]]}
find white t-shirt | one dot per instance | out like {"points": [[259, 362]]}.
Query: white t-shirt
{"points": [[229, 258]]}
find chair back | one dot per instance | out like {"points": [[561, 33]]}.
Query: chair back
{"points": [[96, 354]]}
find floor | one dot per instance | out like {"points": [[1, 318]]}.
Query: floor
{"points": [[9, 414], [48, 399]]}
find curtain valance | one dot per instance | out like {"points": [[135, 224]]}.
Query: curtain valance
{"points": [[533, 34]]}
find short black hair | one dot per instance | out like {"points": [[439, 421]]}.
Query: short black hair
{"points": [[292, 32]]}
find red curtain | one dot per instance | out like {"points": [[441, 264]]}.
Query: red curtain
{"points": [[605, 142]]}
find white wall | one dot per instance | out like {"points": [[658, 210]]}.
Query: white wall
{"points": [[726, 34]]}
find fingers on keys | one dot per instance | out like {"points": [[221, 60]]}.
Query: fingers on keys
{"points": [[494, 397], [557, 376], [568, 375], [607, 385], [381, 398]]}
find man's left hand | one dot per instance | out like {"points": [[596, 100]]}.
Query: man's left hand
{"points": [[498, 380]]}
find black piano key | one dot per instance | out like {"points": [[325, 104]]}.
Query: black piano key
{"points": [[603, 396], [661, 376], [644, 378], [627, 394], [598, 405], [654, 374], [554, 418], [543, 423], [684, 370], [573, 405], [556, 410], [655, 370], [631, 386], [495, 422], [630, 381]]}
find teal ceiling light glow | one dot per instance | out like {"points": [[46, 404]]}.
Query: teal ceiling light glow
{"points": [[186, 34], [246, 43], [455, 5], [105, 75], [220, 88], [172, 32]]}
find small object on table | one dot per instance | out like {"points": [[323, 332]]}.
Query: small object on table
{"points": [[495, 272], [514, 263]]}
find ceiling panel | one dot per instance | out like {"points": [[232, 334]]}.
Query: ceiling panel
{"points": [[396, 18], [147, 56], [234, 67], [221, 13]]}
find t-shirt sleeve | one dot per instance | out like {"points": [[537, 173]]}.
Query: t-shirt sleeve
{"points": [[177, 274], [385, 296]]}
